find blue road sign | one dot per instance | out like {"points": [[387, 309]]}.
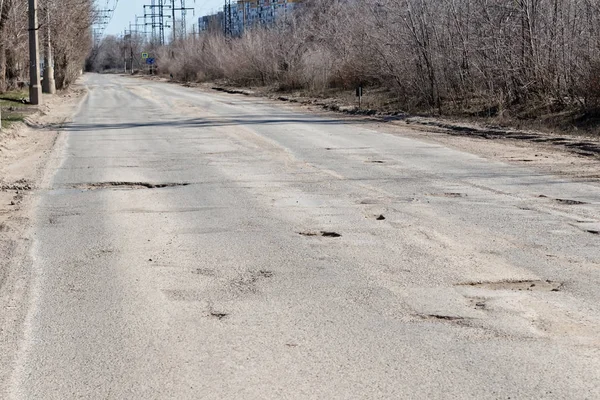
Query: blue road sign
{"points": [[149, 61]]}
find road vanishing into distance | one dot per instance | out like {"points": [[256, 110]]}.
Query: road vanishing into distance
{"points": [[197, 245]]}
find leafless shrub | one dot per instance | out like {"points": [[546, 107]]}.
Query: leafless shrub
{"points": [[482, 57]]}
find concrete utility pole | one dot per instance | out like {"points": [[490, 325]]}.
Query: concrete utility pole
{"points": [[131, 47], [35, 89], [49, 84]]}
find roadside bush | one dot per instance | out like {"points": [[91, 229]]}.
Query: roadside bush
{"points": [[590, 89], [482, 57]]}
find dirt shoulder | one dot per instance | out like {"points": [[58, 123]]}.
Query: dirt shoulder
{"points": [[26, 148]]}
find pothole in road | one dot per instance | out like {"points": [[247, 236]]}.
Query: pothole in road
{"points": [[567, 202], [375, 162], [441, 317], [321, 233], [127, 185], [593, 232], [346, 148], [218, 315], [521, 285], [448, 194], [330, 234], [444, 317], [380, 218], [265, 274]]}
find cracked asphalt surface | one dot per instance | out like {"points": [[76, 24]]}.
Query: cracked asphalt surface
{"points": [[203, 245]]}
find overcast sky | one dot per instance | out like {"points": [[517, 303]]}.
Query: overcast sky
{"points": [[127, 10]]}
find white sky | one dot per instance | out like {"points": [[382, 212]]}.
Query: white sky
{"points": [[127, 10]]}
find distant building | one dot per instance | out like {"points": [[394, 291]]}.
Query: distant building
{"points": [[211, 23], [248, 13]]}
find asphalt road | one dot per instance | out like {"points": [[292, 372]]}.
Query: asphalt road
{"points": [[203, 245]]}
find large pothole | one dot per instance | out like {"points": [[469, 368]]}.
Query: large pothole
{"points": [[566, 202], [321, 233], [447, 194], [126, 185]]}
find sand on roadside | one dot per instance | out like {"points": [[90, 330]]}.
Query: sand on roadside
{"points": [[27, 151]]}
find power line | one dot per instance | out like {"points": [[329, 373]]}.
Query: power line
{"points": [[157, 17], [183, 9], [104, 13]]}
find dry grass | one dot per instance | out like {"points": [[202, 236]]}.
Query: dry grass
{"points": [[14, 107]]}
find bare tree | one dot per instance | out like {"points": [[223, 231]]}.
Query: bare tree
{"points": [[468, 56], [71, 26]]}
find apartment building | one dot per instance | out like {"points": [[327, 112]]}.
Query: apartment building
{"points": [[211, 23], [248, 13]]}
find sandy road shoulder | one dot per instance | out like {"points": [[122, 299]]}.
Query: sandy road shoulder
{"points": [[26, 154]]}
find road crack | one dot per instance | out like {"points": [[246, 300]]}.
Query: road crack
{"points": [[126, 185]]}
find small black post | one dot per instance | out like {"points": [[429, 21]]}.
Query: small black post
{"points": [[359, 93]]}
